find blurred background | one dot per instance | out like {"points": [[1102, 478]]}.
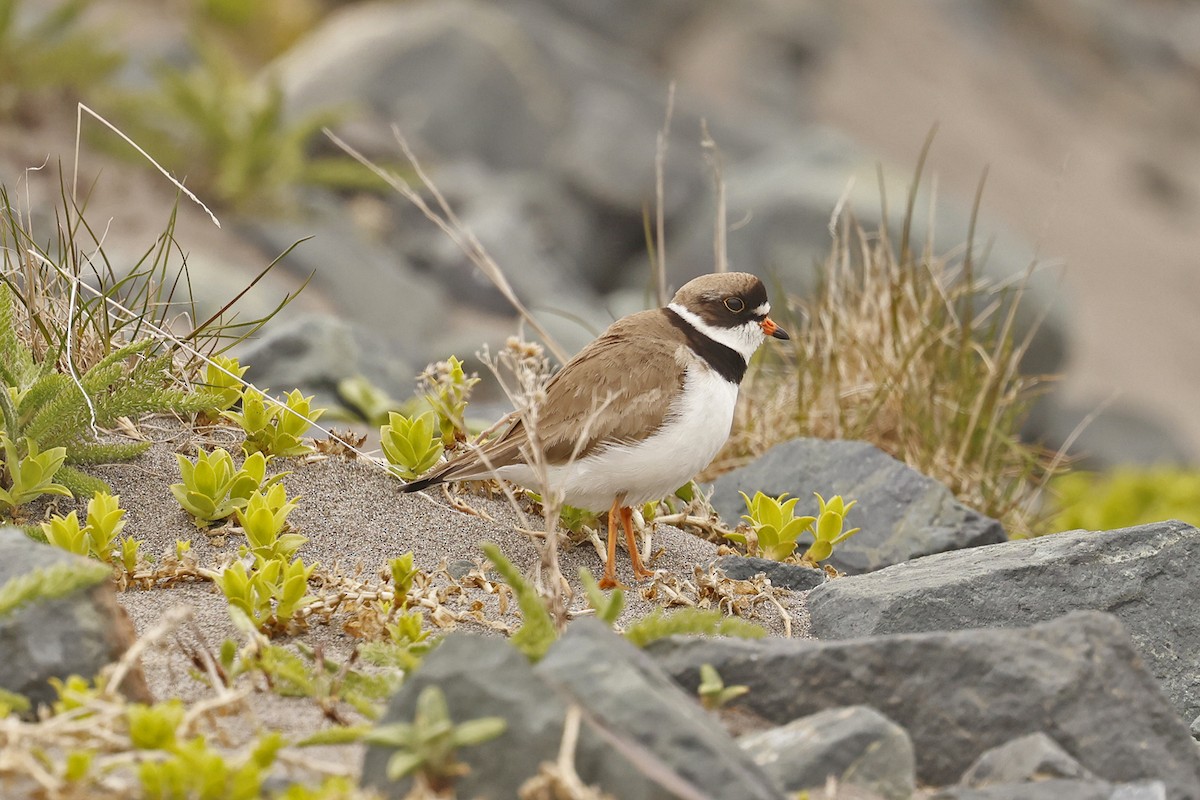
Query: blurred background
{"points": [[539, 120]]}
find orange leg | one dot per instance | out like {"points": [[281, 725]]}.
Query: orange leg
{"points": [[609, 581], [639, 571]]}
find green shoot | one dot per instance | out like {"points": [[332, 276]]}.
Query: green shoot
{"points": [[212, 489], [607, 607], [713, 692], [99, 536], [217, 379], [690, 622], [410, 444], [447, 390], [537, 631], [264, 519], [275, 429], [428, 745], [775, 525], [829, 528], [30, 475]]}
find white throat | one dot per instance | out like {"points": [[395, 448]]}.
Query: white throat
{"points": [[745, 338]]}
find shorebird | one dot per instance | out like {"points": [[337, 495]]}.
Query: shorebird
{"points": [[639, 411]]}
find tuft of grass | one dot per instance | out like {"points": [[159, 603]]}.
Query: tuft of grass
{"points": [[915, 353]]}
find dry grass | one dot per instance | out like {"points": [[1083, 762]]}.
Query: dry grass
{"points": [[914, 353]]}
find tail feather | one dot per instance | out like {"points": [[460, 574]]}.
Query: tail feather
{"points": [[420, 484]]}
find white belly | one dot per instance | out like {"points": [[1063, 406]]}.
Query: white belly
{"points": [[693, 433]]}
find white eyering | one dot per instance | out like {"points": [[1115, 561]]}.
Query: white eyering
{"points": [[744, 338]]}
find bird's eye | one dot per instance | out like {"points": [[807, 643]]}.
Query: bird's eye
{"points": [[735, 304]]}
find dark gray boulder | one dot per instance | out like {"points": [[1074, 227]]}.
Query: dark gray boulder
{"points": [[75, 632], [642, 737], [1079, 679], [1145, 576], [649, 717], [902, 513], [856, 745], [794, 577]]}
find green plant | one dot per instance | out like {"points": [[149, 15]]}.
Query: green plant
{"points": [[410, 444], [51, 57], [275, 428], [194, 771], [537, 631], [607, 607], [428, 745], [47, 583], [447, 389], [223, 378], [154, 727], [830, 528], [213, 489], [308, 674], [1122, 498], [712, 690], [271, 594], [775, 525], [264, 519], [40, 404], [30, 475], [690, 622], [98, 538]]}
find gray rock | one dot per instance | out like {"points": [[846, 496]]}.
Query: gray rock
{"points": [[485, 676], [958, 694], [488, 677], [460, 77], [1035, 757], [630, 697], [77, 633], [647, 28], [784, 576], [856, 745], [902, 513], [315, 352], [1058, 789], [1114, 436], [365, 281], [1139, 574]]}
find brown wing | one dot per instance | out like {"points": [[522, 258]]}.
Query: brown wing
{"points": [[620, 372]]}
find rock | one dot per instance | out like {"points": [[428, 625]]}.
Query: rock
{"points": [[366, 281], [857, 745], [485, 676], [795, 577], [1035, 757], [76, 633], [480, 677], [902, 513], [1058, 789], [315, 352], [960, 693], [1104, 438], [630, 697], [1139, 574]]}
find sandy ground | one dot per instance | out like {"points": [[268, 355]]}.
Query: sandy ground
{"points": [[355, 520]]}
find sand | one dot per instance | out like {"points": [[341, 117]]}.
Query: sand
{"points": [[355, 521]]}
